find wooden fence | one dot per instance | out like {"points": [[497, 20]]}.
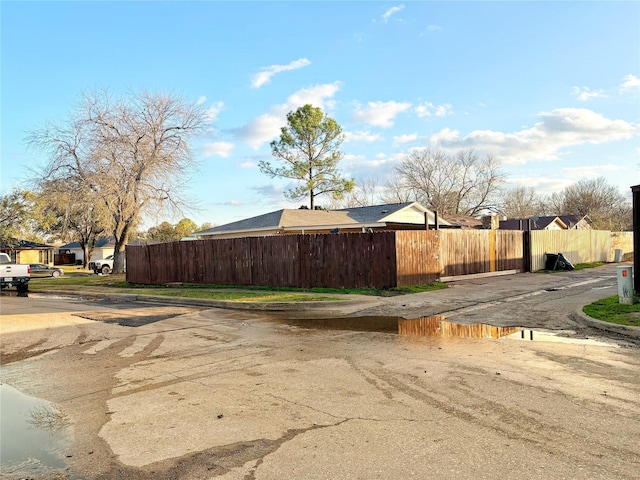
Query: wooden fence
{"points": [[332, 261], [64, 259], [359, 260], [465, 252]]}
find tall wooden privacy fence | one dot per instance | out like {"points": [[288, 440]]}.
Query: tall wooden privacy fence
{"points": [[362, 260], [332, 261], [353, 260]]}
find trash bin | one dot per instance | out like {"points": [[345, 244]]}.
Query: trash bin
{"points": [[563, 263], [552, 261], [618, 255], [557, 261]]}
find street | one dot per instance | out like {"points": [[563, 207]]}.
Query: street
{"points": [[164, 392]]}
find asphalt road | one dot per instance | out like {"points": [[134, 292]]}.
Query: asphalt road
{"points": [[172, 392]]}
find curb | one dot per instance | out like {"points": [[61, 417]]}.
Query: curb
{"points": [[626, 330]]}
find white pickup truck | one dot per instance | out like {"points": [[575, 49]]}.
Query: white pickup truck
{"points": [[103, 266], [13, 274]]}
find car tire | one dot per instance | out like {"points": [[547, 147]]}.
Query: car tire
{"points": [[105, 270], [55, 274], [22, 287]]}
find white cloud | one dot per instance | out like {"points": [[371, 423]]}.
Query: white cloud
{"points": [[381, 114], [263, 128], [362, 136], [558, 129], [269, 194], [428, 109], [585, 93], [630, 82], [402, 139], [353, 158], [213, 111], [316, 95], [392, 11], [248, 164], [267, 126], [592, 171], [543, 184], [362, 164], [431, 28], [264, 75], [221, 149]]}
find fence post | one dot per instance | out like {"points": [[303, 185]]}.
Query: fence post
{"points": [[526, 250]]}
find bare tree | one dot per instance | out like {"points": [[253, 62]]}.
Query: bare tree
{"points": [[452, 184], [132, 153], [395, 191], [603, 203], [364, 193], [520, 202]]}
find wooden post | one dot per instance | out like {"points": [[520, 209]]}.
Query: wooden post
{"points": [[492, 250], [435, 220]]}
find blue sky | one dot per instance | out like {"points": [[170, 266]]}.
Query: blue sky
{"points": [[551, 89]]}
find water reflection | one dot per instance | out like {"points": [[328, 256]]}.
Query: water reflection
{"points": [[357, 324], [34, 433], [48, 417], [437, 326], [434, 326]]}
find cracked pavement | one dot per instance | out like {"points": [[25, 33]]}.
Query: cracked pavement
{"points": [[201, 393]]}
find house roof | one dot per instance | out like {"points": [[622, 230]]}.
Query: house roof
{"points": [[465, 221], [538, 224], [25, 245], [571, 220], [101, 243], [296, 219]]}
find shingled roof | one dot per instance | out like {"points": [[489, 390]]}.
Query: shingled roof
{"points": [[376, 216]]}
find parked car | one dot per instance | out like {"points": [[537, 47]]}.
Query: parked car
{"points": [[103, 266], [42, 270]]}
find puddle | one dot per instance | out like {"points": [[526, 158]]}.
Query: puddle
{"points": [[356, 324], [432, 326], [34, 434], [437, 326]]}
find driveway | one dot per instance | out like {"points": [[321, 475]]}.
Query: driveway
{"points": [[215, 393]]}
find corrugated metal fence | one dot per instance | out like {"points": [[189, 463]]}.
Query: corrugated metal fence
{"points": [[578, 246], [357, 260]]}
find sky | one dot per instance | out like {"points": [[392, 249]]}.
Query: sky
{"points": [[550, 89]]}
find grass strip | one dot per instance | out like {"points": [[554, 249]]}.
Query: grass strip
{"points": [[610, 310], [116, 283]]}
